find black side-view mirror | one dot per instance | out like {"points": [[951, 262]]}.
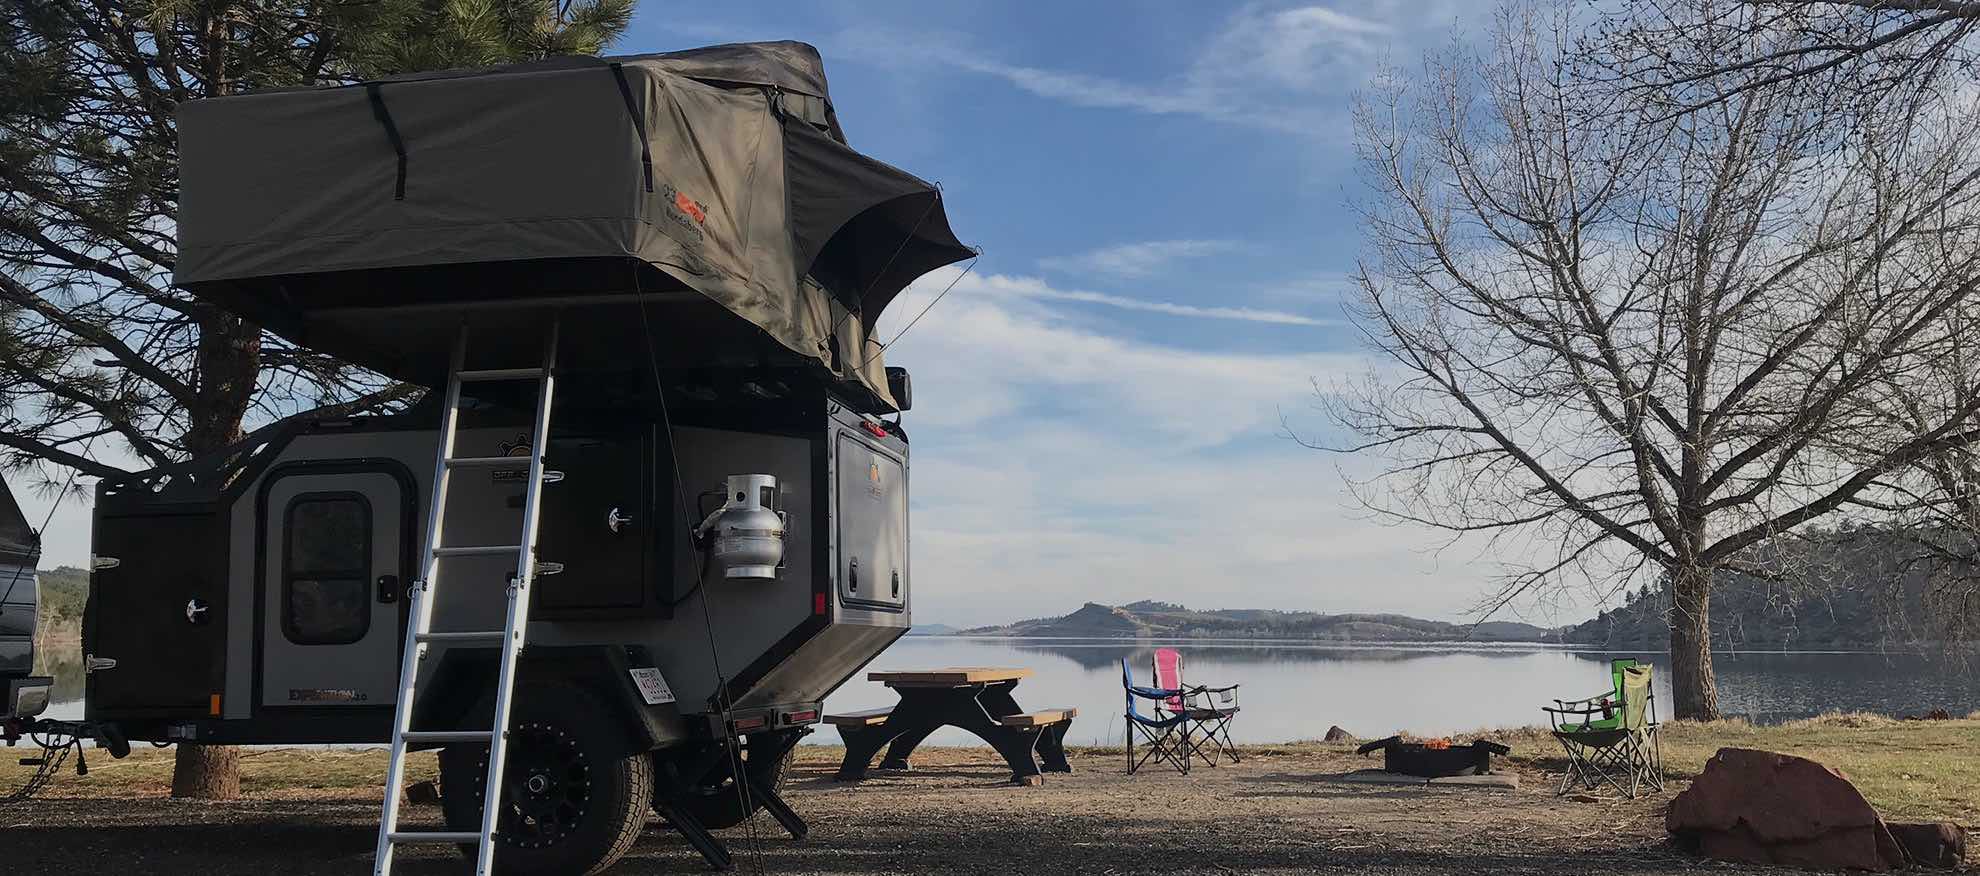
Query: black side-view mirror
{"points": [[900, 387]]}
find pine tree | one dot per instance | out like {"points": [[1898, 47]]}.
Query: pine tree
{"points": [[103, 364]]}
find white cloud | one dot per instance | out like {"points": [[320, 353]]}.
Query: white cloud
{"points": [[1279, 68], [1243, 314], [1131, 260], [1114, 469], [1033, 288], [994, 336]]}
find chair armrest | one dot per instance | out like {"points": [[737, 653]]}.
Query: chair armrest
{"points": [[1154, 693], [1566, 711], [1596, 698], [1207, 689]]}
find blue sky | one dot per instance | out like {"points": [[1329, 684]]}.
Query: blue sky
{"points": [[1161, 194]]}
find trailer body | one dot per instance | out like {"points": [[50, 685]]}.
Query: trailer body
{"points": [[263, 600]]}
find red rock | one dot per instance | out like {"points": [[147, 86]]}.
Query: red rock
{"points": [[1762, 807], [1942, 846]]}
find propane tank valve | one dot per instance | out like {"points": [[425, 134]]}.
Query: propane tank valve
{"points": [[745, 537]]}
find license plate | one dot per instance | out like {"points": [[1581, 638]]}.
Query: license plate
{"points": [[652, 687]]}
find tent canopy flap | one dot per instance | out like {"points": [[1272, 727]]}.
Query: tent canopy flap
{"points": [[862, 226], [358, 220]]}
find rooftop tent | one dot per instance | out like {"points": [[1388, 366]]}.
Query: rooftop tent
{"points": [[19, 545], [701, 206]]}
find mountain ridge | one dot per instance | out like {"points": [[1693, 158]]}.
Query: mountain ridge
{"points": [[1150, 619]]}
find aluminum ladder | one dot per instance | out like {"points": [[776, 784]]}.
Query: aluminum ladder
{"points": [[510, 638]]}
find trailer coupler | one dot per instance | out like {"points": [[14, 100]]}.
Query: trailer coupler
{"points": [[57, 740]]}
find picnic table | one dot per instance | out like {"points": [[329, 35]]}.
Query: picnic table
{"points": [[977, 699]]}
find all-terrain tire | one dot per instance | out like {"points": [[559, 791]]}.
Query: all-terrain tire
{"points": [[574, 801], [718, 806]]}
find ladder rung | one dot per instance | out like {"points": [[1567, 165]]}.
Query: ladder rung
{"points": [[486, 374], [475, 636], [446, 735], [477, 550], [488, 462], [433, 836]]}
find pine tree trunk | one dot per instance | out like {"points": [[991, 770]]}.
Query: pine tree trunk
{"points": [[206, 772], [1693, 686], [229, 365]]}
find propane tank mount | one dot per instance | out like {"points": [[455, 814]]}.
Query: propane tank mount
{"points": [[745, 537]]}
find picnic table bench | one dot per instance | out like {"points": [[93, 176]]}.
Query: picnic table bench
{"points": [[976, 699]]}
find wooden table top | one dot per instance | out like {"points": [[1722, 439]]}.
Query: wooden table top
{"points": [[953, 676]]}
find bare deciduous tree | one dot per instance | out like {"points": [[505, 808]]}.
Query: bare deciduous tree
{"points": [[1631, 332]]}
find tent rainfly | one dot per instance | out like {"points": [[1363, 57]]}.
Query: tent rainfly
{"points": [[711, 187]]}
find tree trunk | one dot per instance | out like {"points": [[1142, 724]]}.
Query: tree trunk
{"points": [[1693, 686], [229, 365], [206, 772]]}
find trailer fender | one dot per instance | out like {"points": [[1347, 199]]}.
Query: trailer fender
{"points": [[461, 694]]}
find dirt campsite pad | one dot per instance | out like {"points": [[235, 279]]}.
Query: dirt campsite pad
{"points": [[316, 812]]}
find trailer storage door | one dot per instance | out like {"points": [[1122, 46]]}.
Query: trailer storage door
{"points": [[156, 625], [873, 538], [332, 588]]}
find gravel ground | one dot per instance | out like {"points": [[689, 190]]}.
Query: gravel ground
{"points": [[1275, 813]]}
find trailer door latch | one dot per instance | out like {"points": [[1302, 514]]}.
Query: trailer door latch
{"points": [[93, 663]]}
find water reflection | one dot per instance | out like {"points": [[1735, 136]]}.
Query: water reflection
{"points": [[1296, 691], [64, 662]]}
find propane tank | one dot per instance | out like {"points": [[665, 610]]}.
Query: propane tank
{"points": [[745, 538]]}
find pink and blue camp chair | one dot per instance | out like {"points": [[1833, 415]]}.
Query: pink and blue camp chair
{"points": [[1206, 711], [1164, 737]]}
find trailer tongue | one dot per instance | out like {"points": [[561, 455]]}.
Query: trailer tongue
{"points": [[635, 284]]}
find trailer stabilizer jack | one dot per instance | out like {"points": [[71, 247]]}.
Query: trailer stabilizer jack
{"points": [[780, 810], [712, 850]]}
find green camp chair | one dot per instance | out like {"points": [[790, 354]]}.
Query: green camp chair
{"points": [[1611, 738]]}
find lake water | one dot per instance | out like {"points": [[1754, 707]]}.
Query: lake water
{"points": [[1296, 690]]}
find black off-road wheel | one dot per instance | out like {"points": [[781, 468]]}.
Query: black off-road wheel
{"points": [[573, 801], [715, 803]]}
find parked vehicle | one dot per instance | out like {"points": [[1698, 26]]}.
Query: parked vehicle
{"points": [[23, 694], [684, 246]]}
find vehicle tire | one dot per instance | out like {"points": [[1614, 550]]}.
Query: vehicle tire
{"points": [[717, 805], [573, 800]]}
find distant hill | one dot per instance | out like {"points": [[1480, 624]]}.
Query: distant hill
{"points": [[63, 592], [1151, 620], [932, 630]]}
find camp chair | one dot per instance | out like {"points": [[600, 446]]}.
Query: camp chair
{"points": [[1612, 738], [1164, 736], [1209, 710]]}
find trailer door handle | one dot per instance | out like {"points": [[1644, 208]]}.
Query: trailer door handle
{"points": [[388, 588], [615, 521]]}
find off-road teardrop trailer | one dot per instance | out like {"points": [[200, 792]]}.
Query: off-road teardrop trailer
{"points": [[651, 590]]}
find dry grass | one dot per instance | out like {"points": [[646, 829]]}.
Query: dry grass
{"points": [[1911, 770], [265, 772]]}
